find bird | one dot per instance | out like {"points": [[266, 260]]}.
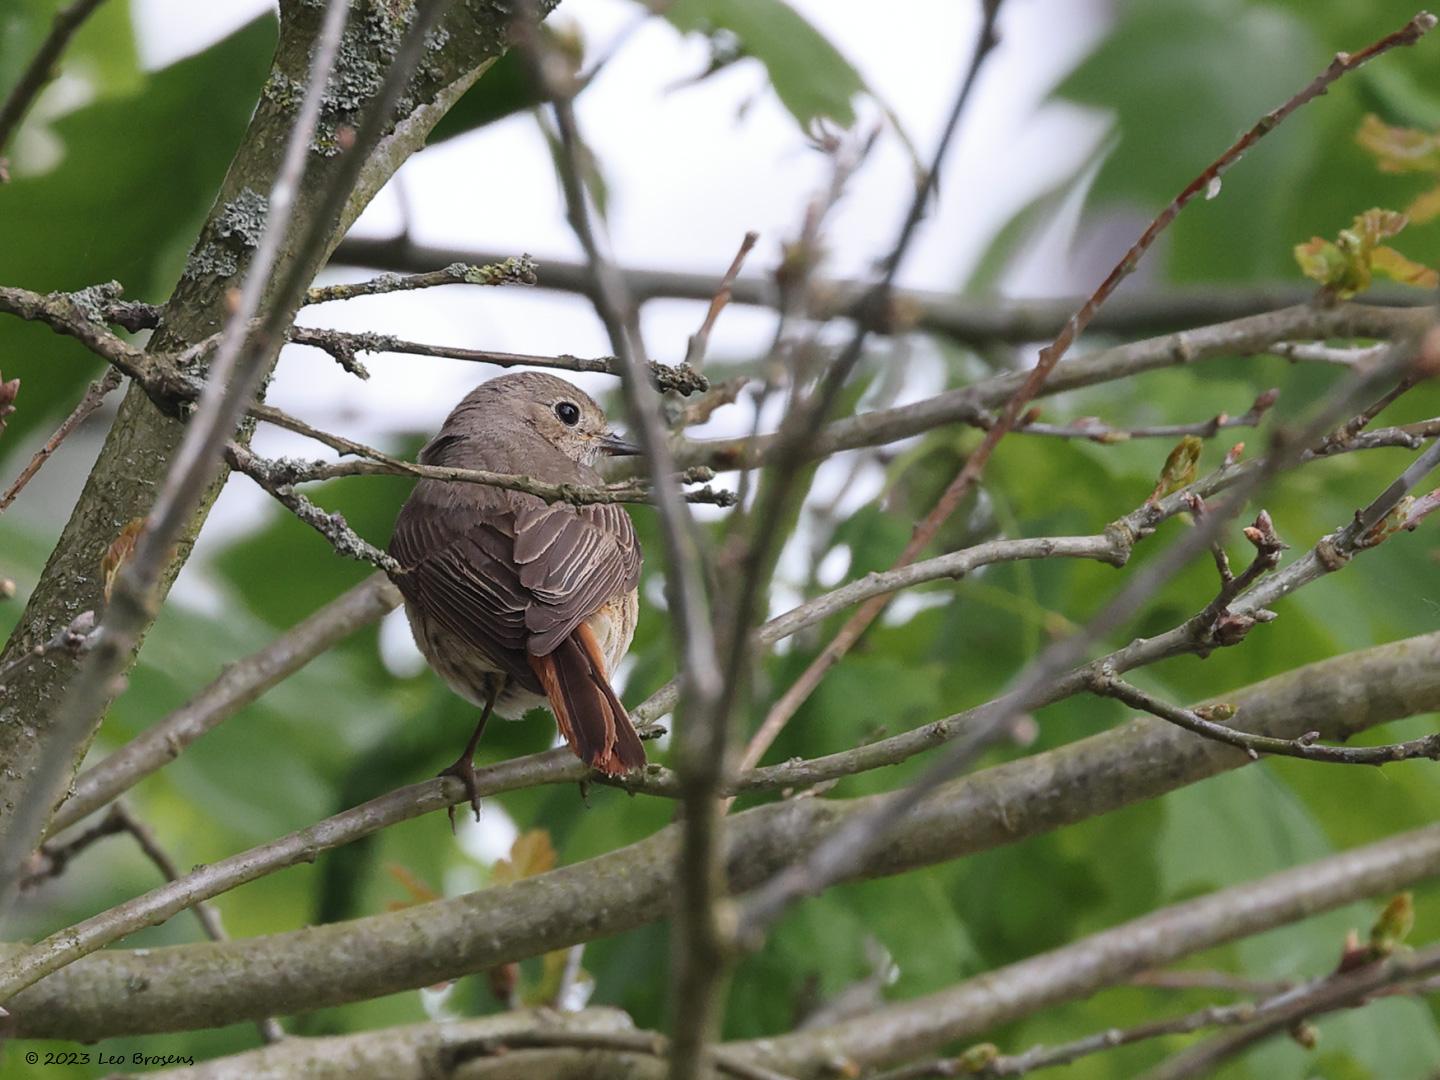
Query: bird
{"points": [[518, 603]]}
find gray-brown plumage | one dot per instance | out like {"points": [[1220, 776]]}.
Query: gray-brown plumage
{"points": [[515, 602]]}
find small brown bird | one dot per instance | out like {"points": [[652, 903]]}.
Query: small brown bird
{"points": [[516, 602]]}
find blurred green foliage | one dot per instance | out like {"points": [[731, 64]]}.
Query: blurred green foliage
{"points": [[1180, 78]]}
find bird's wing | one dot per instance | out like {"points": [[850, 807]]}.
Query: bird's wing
{"points": [[571, 561], [515, 583], [457, 569]]}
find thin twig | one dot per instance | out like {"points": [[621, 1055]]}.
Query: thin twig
{"points": [[377, 463], [329, 524], [75, 637], [205, 913], [240, 683], [518, 270], [1286, 1011], [794, 437], [700, 340], [973, 404], [1096, 430], [698, 956], [41, 69], [345, 346], [51, 860], [1304, 747], [94, 397]]}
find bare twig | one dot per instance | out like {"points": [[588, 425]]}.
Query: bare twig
{"points": [[345, 346], [698, 956], [1304, 747], [1096, 430], [329, 524], [74, 637], [41, 69], [512, 271], [1285, 1011], [377, 463], [700, 340], [240, 683], [973, 404], [51, 860], [92, 400]]}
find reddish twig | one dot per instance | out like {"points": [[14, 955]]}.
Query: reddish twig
{"points": [[974, 466], [88, 404], [695, 351]]}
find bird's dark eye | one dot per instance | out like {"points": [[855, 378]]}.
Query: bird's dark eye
{"points": [[568, 412]]}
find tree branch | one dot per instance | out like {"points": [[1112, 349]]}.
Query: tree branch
{"points": [[902, 1031]]}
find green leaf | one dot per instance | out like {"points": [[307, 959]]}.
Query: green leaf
{"points": [[813, 80]]}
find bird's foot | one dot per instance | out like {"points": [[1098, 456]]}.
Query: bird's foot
{"points": [[463, 769]]}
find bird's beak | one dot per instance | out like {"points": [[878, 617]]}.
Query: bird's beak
{"points": [[614, 445]]}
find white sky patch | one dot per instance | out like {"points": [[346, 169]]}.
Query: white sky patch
{"points": [[490, 839], [398, 651]]}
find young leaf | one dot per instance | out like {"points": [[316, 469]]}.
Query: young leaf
{"points": [[1393, 926], [1386, 260], [1399, 149], [1180, 467], [531, 854], [1345, 266]]}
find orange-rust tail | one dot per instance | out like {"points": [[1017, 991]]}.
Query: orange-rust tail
{"points": [[587, 712]]}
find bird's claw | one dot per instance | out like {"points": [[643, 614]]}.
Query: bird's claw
{"points": [[463, 769]]}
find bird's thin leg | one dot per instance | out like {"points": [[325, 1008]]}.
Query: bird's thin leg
{"points": [[463, 767]]}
